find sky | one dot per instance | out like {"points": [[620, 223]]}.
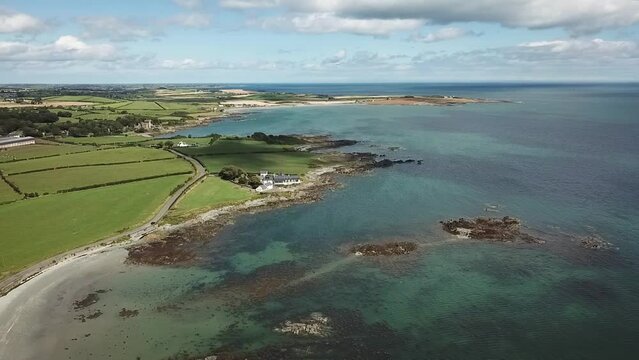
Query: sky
{"points": [[305, 41]]}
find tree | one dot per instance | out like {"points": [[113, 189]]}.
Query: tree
{"points": [[254, 181], [231, 173], [168, 144]]}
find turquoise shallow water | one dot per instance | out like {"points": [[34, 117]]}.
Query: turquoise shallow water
{"points": [[564, 159]]}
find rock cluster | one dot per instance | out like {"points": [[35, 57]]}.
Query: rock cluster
{"points": [[126, 313], [317, 324], [595, 242], [89, 300], [388, 249], [506, 229]]}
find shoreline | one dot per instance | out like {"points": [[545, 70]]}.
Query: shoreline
{"points": [[22, 277], [317, 182]]}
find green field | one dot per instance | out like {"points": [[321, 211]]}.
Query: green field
{"points": [[108, 140], [226, 146], [199, 141], [40, 150], [7, 194], [81, 98], [116, 155], [208, 194], [64, 179], [280, 162], [36, 229], [140, 105]]}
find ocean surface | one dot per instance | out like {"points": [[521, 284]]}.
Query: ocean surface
{"points": [[562, 158]]}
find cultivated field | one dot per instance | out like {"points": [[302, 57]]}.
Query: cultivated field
{"points": [[36, 229]]}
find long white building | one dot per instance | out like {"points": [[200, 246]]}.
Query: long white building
{"points": [[13, 141]]}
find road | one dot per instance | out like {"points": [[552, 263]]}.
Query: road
{"points": [[135, 234], [151, 225]]}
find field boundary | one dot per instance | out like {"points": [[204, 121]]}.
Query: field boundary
{"points": [[53, 155], [88, 165], [95, 186], [13, 186]]}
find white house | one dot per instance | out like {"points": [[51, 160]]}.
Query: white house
{"points": [[13, 141], [269, 181], [182, 144], [285, 180]]}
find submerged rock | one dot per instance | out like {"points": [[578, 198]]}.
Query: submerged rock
{"points": [[388, 249], [126, 313], [595, 242], [89, 300], [317, 324], [506, 229]]}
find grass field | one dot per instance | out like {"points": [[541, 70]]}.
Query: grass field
{"points": [[115, 155], [225, 146], [209, 194], [141, 105], [63, 179], [81, 98], [36, 229], [7, 193], [284, 162], [40, 150], [108, 140]]}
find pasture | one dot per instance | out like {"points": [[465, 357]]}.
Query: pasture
{"points": [[230, 146], [115, 155], [64, 179], [280, 162], [208, 194], [41, 149], [7, 194], [36, 229], [108, 140]]}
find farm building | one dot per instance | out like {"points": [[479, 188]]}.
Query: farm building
{"points": [[9, 142]]}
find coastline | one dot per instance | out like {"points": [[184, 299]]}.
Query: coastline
{"points": [[317, 182], [309, 191]]}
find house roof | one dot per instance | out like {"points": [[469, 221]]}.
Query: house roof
{"points": [[12, 140], [278, 178]]}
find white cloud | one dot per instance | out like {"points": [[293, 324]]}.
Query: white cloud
{"points": [[248, 4], [447, 33], [329, 23], [65, 48], [13, 22], [191, 20], [574, 49], [189, 4], [184, 64], [115, 28], [336, 59], [577, 16]]}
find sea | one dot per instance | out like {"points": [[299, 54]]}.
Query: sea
{"points": [[563, 158]]}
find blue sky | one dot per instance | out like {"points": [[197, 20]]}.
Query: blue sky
{"points": [[235, 41]]}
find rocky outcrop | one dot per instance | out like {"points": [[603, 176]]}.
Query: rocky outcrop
{"points": [[316, 324], [89, 300], [506, 229], [595, 242], [388, 249], [126, 313]]}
